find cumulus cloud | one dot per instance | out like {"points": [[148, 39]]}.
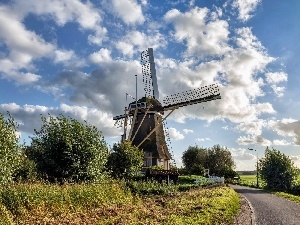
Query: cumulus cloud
{"points": [[28, 116], [287, 127], [104, 88], [22, 48], [242, 154], [139, 41], [175, 134], [204, 35], [281, 142], [186, 131], [273, 79], [26, 47], [253, 140], [253, 127], [203, 139], [103, 55], [245, 8], [129, 11]]}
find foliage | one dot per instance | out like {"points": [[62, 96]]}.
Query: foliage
{"points": [[67, 150], [9, 149], [156, 167], [277, 170], [192, 156], [217, 159], [228, 173], [27, 170], [125, 159], [151, 187], [22, 200], [197, 169], [292, 197], [109, 202]]}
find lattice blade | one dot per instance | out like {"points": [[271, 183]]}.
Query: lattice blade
{"points": [[202, 94], [149, 73]]}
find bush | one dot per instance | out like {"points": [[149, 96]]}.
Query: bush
{"points": [[277, 170], [9, 149], [27, 170], [66, 150], [125, 160]]}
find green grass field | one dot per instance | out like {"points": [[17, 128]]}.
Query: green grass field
{"points": [[250, 178]]}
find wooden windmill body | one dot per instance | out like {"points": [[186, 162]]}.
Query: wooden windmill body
{"points": [[147, 114]]}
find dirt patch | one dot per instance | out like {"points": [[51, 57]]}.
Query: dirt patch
{"points": [[245, 215]]}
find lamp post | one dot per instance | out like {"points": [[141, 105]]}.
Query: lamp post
{"points": [[251, 149]]}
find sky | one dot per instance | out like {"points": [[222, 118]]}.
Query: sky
{"points": [[79, 59]]}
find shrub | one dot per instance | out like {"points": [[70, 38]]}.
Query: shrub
{"points": [[277, 170], [125, 160], [67, 150], [9, 149]]}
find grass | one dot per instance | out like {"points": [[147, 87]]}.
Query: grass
{"points": [[111, 202], [248, 178], [291, 197]]}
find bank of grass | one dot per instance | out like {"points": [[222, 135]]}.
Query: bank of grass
{"points": [[291, 197], [111, 202]]}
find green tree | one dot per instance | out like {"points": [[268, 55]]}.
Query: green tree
{"points": [[67, 150], [193, 157], [125, 159], [9, 149], [277, 170], [197, 169], [217, 159]]}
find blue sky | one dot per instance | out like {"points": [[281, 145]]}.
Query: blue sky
{"points": [[79, 58]]}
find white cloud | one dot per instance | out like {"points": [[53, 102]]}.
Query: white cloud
{"points": [[129, 11], [204, 36], [253, 140], [287, 127], [125, 48], [273, 79], [186, 131], [203, 139], [245, 8], [28, 116], [296, 160], [175, 134], [22, 48], [103, 55], [139, 41], [253, 127], [242, 154], [61, 11], [63, 55], [281, 142]]}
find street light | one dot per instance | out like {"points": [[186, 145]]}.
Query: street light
{"points": [[251, 149]]}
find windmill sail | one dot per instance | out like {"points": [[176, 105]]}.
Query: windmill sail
{"points": [[149, 74], [202, 94]]}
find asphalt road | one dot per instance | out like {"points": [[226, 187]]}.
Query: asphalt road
{"points": [[270, 209]]}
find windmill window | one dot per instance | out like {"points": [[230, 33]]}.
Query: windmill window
{"points": [[148, 154]]}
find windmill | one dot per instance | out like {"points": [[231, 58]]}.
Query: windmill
{"points": [[147, 114]]}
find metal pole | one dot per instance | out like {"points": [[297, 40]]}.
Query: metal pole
{"points": [[251, 149], [257, 169], [136, 91]]}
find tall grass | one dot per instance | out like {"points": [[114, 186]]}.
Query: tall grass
{"points": [[112, 202], [21, 200]]}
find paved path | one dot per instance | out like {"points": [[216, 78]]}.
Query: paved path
{"points": [[270, 209]]}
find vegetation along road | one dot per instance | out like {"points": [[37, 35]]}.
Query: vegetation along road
{"points": [[270, 209]]}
